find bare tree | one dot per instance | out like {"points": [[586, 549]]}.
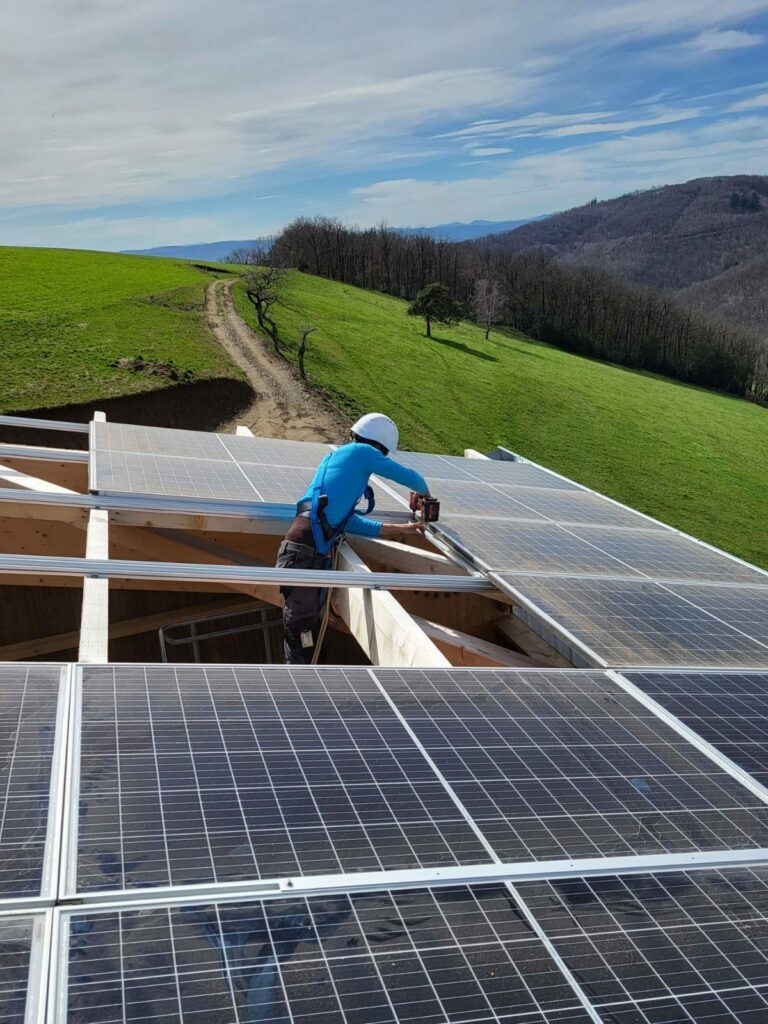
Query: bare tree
{"points": [[257, 254], [306, 330], [487, 303], [263, 286]]}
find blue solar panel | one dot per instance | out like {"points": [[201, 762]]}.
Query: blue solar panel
{"points": [[201, 774], [434, 956]]}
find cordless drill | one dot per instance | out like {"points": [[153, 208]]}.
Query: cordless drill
{"points": [[423, 509]]}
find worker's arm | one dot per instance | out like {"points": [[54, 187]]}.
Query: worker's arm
{"points": [[391, 470], [360, 526]]}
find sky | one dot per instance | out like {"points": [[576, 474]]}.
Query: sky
{"points": [[129, 125]]}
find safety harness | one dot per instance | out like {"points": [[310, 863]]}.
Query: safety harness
{"points": [[324, 533]]}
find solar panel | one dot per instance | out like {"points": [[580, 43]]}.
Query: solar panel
{"points": [[516, 474], [272, 451], [663, 554], [501, 545], [438, 956], [276, 483], [555, 765], [640, 624], [683, 946], [129, 437], [742, 608], [20, 940], [197, 774], [29, 699], [729, 710], [128, 473], [564, 506], [471, 497]]}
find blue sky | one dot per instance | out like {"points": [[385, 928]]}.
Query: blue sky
{"points": [[168, 122]]}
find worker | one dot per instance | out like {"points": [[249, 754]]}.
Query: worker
{"points": [[327, 511]]}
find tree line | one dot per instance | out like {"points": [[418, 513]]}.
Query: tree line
{"points": [[584, 310]]}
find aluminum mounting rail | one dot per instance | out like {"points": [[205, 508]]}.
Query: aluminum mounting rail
{"points": [[158, 503], [186, 572], [20, 451], [30, 421], [149, 503]]}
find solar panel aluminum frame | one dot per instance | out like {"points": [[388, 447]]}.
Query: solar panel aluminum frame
{"points": [[657, 522], [39, 961], [17, 451], [35, 424], [57, 811]]}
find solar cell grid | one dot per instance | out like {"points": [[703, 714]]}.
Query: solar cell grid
{"points": [[743, 608], [437, 956], [29, 698], [554, 765], [16, 938], [127, 473], [202, 774], [128, 437], [516, 474], [271, 451], [277, 484], [657, 942], [529, 547], [730, 711], [566, 506], [643, 624], [667, 555], [472, 497]]}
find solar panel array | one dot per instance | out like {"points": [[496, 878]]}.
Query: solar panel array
{"points": [[208, 776], [128, 459], [309, 845], [21, 939]]}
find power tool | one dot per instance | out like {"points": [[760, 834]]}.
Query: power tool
{"points": [[424, 510]]}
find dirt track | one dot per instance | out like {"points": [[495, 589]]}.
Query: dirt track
{"points": [[284, 406]]}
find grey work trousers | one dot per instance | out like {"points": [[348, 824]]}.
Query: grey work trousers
{"points": [[304, 606]]}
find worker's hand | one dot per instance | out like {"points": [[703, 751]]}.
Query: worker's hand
{"points": [[409, 528]]}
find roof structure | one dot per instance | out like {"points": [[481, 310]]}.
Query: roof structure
{"points": [[533, 787]]}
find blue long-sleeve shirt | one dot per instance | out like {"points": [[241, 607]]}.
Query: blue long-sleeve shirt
{"points": [[347, 477]]}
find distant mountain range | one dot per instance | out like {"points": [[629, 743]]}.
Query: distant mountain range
{"points": [[218, 251], [706, 240]]}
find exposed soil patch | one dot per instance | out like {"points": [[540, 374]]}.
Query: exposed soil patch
{"points": [[283, 405]]}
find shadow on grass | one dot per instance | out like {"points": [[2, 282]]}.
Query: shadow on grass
{"points": [[465, 348]]}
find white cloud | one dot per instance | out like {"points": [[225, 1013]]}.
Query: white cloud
{"points": [[723, 39], [548, 182], [753, 103], [490, 151], [108, 102]]}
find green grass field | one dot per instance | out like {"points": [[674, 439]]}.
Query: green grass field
{"points": [[692, 458], [67, 317]]}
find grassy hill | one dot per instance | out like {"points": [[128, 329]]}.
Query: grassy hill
{"points": [[73, 322], [693, 458]]}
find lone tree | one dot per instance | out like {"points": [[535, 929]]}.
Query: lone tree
{"points": [[263, 286], [306, 330], [487, 303], [435, 304]]}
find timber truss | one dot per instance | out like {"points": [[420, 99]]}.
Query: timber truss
{"points": [[419, 604]]}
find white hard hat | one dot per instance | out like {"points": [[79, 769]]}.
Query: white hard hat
{"points": [[375, 426]]}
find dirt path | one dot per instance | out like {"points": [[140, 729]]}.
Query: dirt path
{"points": [[284, 406]]}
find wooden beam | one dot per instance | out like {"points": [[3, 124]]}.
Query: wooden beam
{"points": [[27, 482], [67, 475], [470, 453], [242, 431], [380, 624], [529, 641], [404, 557], [94, 623], [465, 650], [118, 630]]}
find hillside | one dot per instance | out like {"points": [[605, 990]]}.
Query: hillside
{"points": [[693, 238], [74, 324], [693, 458]]}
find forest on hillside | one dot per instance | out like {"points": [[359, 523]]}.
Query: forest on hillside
{"points": [[585, 310]]}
